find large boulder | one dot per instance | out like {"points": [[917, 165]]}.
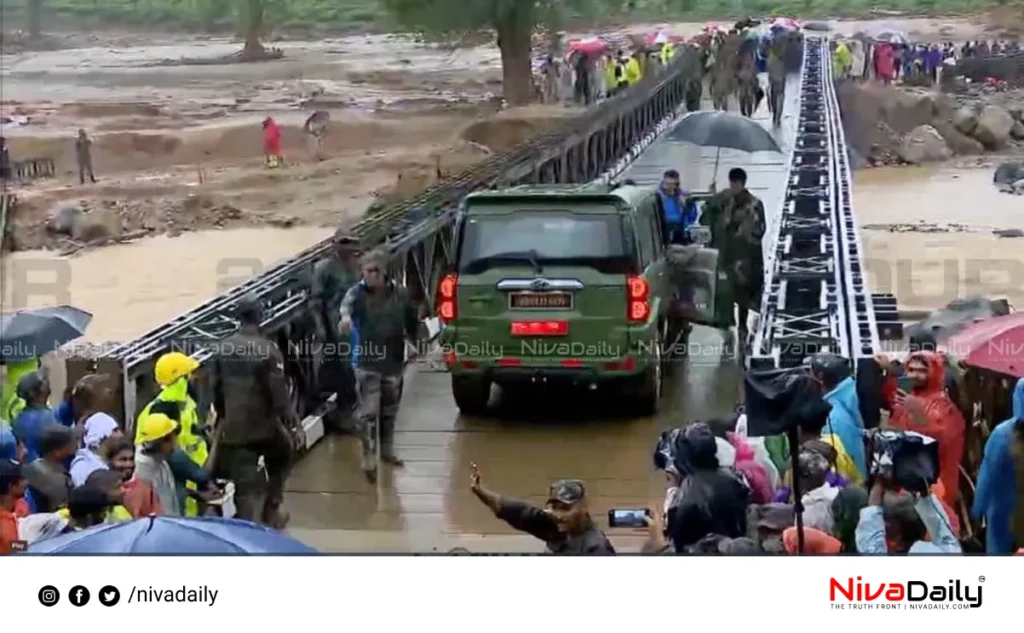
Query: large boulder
{"points": [[994, 125], [1007, 175], [63, 217], [1017, 131], [924, 144], [965, 120], [97, 225], [958, 142]]}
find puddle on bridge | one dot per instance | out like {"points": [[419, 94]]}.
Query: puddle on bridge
{"points": [[428, 505]]}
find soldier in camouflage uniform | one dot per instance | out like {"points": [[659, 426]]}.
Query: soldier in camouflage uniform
{"points": [[749, 87], [776, 79], [332, 277], [255, 419], [724, 77], [737, 223], [380, 313]]}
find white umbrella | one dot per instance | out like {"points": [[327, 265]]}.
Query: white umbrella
{"points": [[661, 38]]}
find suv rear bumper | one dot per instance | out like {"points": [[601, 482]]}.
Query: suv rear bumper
{"points": [[505, 371]]}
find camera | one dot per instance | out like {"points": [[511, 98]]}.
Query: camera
{"points": [[908, 459]]}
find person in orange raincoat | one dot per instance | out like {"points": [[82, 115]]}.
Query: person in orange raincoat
{"points": [[272, 143], [928, 410]]}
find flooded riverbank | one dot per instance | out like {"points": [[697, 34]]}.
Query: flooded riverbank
{"points": [[928, 235], [132, 288]]}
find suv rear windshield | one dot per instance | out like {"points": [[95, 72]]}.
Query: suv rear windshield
{"points": [[535, 238]]}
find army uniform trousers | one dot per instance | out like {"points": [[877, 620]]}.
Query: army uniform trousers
{"points": [[379, 397]]}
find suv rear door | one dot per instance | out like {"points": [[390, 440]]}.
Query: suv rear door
{"points": [[544, 282]]}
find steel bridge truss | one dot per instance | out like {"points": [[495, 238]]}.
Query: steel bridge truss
{"points": [[418, 234], [815, 295]]}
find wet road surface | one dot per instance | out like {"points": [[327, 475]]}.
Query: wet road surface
{"points": [[531, 439]]}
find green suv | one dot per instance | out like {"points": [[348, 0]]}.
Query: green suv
{"points": [[560, 283]]}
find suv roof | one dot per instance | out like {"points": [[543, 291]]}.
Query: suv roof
{"points": [[595, 192]]}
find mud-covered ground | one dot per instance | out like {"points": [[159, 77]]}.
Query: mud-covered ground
{"points": [[177, 146]]}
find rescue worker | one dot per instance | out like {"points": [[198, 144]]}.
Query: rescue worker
{"points": [[255, 419], [10, 401], [842, 61], [667, 53], [383, 317], [737, 222], [582, 91], [621, 77], [173, 372], [83, 156], [155, 442], [634, 73], [332, 277], [272, 143], [694, 79]]}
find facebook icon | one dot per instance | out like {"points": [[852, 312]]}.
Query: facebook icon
{"points": [[79, 596]]}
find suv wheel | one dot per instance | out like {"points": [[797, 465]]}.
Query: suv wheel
{"points": [[472, 394], [648, 395]]}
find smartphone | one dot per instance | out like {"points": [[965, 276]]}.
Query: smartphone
{"points": [[628, 517]]}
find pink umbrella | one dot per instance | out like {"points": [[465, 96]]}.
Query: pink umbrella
{"points": [[711, 27], [788, 24], [588, 46], [655, 38]]}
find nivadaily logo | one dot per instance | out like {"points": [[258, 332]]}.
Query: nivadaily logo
{"points": [[909, 594]]}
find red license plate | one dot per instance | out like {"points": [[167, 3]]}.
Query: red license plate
{"points": [[540, 328]]}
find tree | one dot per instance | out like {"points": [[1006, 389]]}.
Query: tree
{"points": [[511, 21], [253, 30], [35, 17]]}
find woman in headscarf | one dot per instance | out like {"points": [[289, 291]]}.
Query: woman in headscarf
{"points": [[101, 432]]}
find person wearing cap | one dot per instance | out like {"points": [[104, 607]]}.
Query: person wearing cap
{"points": [[12, 504], [564, 523], [48, 480], [154, 443], [173, 372], [383, 318], [255, 418], [100, 433], [33, 391], [332, 277]]}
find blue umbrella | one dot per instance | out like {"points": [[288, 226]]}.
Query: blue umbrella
{"points": [[173, 535], [27, 334]]}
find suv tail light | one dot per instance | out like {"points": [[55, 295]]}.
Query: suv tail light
{"points": [[446, 309], [639, 305]]}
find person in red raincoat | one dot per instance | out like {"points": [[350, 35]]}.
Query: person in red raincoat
{"points": [[885, 63], [272, 142], [928, 410]]}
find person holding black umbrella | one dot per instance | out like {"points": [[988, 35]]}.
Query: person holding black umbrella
{"points": [[737, 221]]}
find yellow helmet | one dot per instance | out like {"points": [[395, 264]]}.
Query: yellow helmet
{"points": [[172, 366], [153, 427]]}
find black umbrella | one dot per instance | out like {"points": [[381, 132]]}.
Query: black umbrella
{"points": [[28, 334], [724, 129]]}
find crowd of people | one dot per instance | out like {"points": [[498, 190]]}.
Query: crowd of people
{"points": [[729, 492], [922, 63]]}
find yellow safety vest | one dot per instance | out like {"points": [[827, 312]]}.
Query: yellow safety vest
{"points": [[633, 73], [114, 514], [188, 440], [9, 400], [667, 53]]}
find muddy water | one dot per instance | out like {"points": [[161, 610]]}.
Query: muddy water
{"points": [[131, 288], [944, 248]]}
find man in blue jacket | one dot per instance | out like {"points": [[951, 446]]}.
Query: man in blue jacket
{"points": [[995, 497], [679, 213]]}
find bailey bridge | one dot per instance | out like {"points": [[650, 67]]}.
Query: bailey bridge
{"points": [[816, 295]]}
